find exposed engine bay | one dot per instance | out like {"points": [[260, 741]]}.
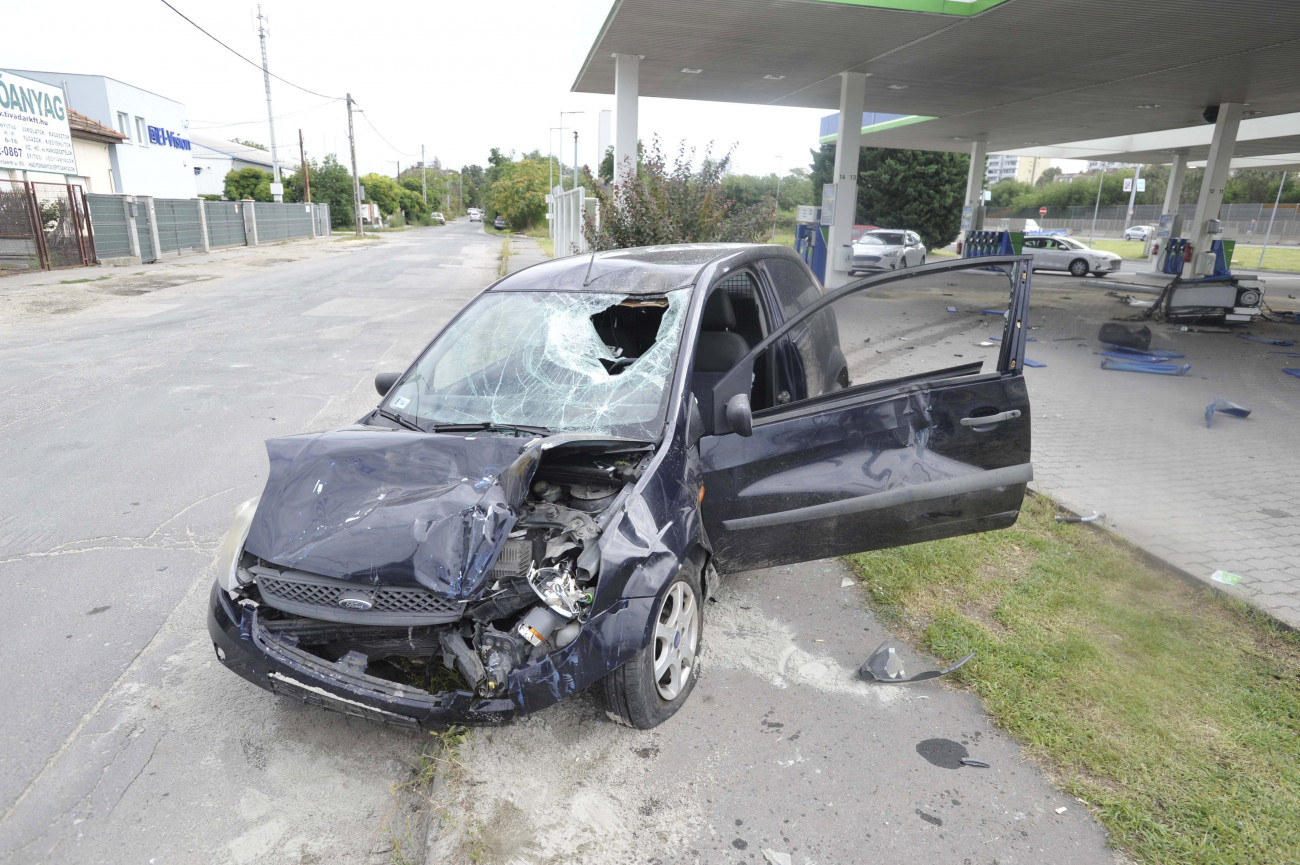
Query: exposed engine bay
{"points": [[533, 600]]}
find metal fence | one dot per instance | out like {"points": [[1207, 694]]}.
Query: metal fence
{"points": [[225, 223], [1149, 213], [283, 221], [180, 227], [568, 210], [43, 226], [108, 213], [323, 227]]}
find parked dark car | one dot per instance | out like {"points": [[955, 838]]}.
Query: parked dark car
{"points": [[544, 500], [499, 223]]}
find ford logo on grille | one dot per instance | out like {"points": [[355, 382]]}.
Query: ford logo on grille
{"points": [[355, 601]]}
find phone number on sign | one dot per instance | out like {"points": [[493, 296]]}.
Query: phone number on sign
{"points": [[11, 151]]}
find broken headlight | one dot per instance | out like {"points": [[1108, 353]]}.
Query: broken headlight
{"points": [[232, 547]]}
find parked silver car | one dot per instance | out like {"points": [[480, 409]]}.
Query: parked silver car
{"points": [[1066, 253], [1139, 232], [886, 249]]}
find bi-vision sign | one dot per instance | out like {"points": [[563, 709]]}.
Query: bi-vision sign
{"points": [[158, 135]]}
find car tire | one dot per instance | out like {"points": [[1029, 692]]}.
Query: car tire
{"points": [[633, 694], [922, 259], [1078, 267]]}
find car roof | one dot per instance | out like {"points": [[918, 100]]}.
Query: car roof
{"points": [[639, 270]]}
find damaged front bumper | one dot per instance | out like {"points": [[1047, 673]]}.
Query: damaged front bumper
{"points": [[606, 641]]}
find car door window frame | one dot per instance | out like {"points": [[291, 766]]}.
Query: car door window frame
{"points": [[1010, 357]]}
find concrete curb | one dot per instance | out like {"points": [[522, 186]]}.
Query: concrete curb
{"points": [[1159, 562]]}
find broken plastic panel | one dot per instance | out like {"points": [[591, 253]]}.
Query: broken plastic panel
{"points": [[1152, 356], [595, 363], [1153, 368], [1222, 406], [886, 668], [1264, 340]]}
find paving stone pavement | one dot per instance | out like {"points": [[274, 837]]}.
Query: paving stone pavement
{"points": [[1135, 446]]}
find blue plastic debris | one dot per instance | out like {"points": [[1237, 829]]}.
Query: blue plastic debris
{"points": [[993, 311], [1163, 353], [1222, 406], [1294, 372], [952, 309], [1137, 357], [1034, 363], [1287, 353], [1154, 368], [1266, 341]]}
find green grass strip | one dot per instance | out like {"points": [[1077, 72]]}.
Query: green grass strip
{"points": [[1172, 711]]}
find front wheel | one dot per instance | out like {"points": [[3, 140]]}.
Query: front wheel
{"points": [[1078, 267], [650, 688]]}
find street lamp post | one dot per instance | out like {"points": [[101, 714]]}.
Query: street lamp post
{"points": [[575, 176]]}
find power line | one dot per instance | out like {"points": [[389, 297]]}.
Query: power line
{"points": [[381, 136], [242, 57]]}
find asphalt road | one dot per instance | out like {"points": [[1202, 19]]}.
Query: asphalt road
{"points": [[133, 425]]}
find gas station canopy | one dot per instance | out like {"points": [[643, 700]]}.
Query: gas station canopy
{"points": [[1017, 74]]}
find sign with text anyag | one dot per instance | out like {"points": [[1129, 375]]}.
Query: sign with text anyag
{"points": [[34, 133]]}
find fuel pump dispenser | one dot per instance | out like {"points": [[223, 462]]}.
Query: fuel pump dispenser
{"points": [[810, 239]]}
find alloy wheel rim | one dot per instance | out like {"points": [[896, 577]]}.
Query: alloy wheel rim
{"points": [[676, 637]]}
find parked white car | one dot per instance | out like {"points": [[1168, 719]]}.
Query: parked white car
{"points": [[1139, 232], [1065, 253], [886, 249], [475, 215]]}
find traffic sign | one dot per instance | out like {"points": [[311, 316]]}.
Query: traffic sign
{"points": [[1042, 211]]}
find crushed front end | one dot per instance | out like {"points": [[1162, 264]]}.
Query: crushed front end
{"points": [[423, 606]]}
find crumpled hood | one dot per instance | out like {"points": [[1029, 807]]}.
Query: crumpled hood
{"points": [[392, 506]]}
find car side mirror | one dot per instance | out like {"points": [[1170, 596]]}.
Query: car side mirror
{"points": [[739, 416], [384, 382]]}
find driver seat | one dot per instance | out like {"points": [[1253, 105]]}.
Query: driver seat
{"points": [[718, 349]]}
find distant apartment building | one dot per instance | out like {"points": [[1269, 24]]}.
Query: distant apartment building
{"points": [[1026, 169]]}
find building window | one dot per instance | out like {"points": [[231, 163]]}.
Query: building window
{"points": [[124, 125], [141, 134]]}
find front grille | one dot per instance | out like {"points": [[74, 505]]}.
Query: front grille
{"points": [[318, 597]]}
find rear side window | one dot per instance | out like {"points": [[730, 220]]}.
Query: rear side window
{"points": [[794, 285]]}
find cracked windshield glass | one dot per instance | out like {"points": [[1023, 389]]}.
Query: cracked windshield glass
{"points": [[569, 362]]}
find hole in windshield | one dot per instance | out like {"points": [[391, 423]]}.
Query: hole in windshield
{"points": [[577, 361]]}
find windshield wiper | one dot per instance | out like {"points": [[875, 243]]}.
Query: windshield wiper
{"points": [[489, 426], [398, 419]]}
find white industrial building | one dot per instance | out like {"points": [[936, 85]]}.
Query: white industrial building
{"points": [[214, 158], [155, 158]]}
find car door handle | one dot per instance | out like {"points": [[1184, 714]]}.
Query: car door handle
{"points": [[991, 418]]}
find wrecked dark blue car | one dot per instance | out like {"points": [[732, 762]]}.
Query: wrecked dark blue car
{"points": [[542, 502]]}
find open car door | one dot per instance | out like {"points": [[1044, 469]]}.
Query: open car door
{"points": [[839, 463]]}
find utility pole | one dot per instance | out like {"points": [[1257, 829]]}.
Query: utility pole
{"points": [[356, 181], [1132, 196], [1100, 180], [306, 178], [1269, 234], [575, 159], [424, 177], [270, 116], [399, 170]]}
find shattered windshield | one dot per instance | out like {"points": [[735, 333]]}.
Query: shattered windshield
{"points": [[566, 361]]}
